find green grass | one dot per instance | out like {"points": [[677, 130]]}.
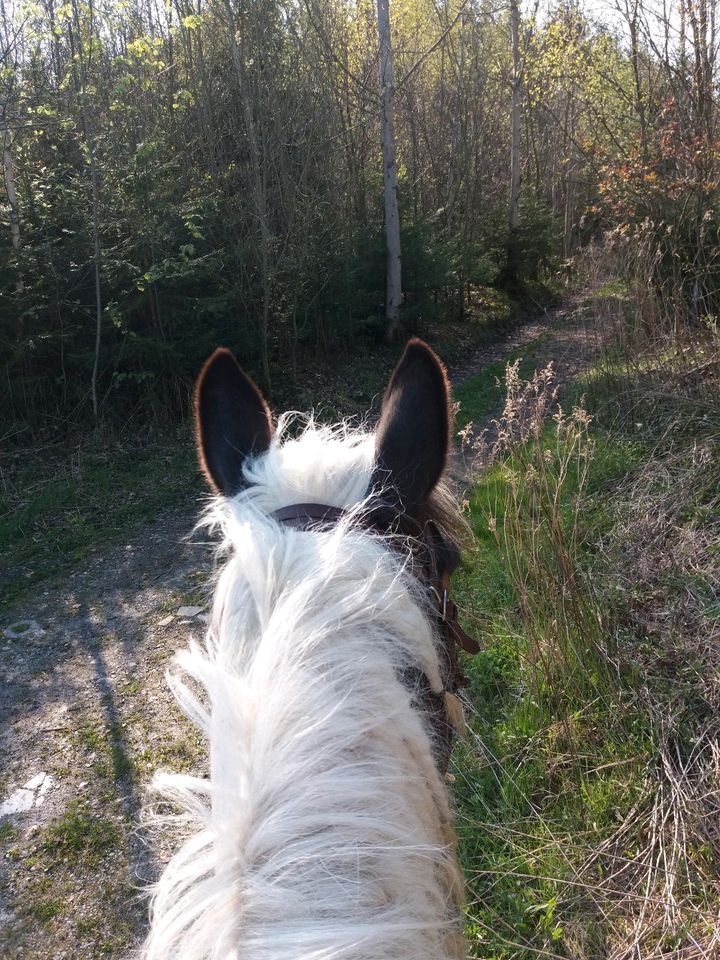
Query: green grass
{"points": [[46, 910], [555, 784], [80, 836], [7, 831], [528, 809], [55, 516], [112, 762], [481, 396], [615, 289]]}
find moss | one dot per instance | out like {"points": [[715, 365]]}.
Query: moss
{"points": [[46, 910]]}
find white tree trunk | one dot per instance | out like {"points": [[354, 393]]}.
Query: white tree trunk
{"points": [[260, 200], [97, 258], [515, 118], [9, 171], [393, 292]]}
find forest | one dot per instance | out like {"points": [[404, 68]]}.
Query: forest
{"points": [[183, 174]]}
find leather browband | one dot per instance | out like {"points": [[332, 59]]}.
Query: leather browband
{"points": [[306, 516]]}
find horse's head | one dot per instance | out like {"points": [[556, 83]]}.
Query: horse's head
{"points": [[330, 670], [389, 481], [396, 470]]}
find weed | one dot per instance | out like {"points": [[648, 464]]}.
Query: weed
{"points": [[46, 910], [585, 790], [482, 395], [7, 832], [107, 743], [179, 755], [80, 835]]}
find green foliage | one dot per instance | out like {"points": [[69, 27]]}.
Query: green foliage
{"points": [[537, 239], [245, 206], [576, 710], [431, 268]]}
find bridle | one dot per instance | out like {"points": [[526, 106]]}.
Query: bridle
{"points": [[423, 541]]}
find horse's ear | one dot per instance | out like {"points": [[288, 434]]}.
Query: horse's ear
{"points": [[232, 421], [411, 441]]}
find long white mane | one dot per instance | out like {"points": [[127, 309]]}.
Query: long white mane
{"points": [[324, 829]]}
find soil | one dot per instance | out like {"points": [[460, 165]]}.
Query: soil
{"points": [[84, 702]]}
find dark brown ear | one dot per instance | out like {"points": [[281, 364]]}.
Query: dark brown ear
{"points": [[232, 422], [411, 441]]}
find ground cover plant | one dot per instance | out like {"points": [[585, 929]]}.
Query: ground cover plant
{"points": [[588, 789]]}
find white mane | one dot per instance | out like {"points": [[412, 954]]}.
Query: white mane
{"points": [[324, 829]]}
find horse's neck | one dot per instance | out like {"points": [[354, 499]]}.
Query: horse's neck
{"points": [[329, 828]]}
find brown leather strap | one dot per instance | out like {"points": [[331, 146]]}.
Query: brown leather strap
{"points": [[304, 516], [450, 620]]}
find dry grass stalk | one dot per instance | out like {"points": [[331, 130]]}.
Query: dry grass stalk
{"points": [[650, 659]]}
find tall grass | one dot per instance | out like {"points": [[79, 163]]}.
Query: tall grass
{"points": [[589, 790]]}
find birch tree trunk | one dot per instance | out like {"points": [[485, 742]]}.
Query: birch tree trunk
{"points": [[88, 130], [260, 201], [510, 274], [9, 171], [393, 290], [632, 16], [515, 119], [96, 257]]}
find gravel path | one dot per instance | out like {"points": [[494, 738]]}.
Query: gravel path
{"points": [[85, 717], [566, 335]]}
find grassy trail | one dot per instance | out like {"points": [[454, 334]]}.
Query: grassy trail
{"points": [[84, 700], [588, 786]]}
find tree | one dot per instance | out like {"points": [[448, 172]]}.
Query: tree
{"points": [[9, 173], [393, 288], [515, 118]]}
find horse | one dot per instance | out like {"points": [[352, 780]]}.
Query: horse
{"points": [[326, 687]]}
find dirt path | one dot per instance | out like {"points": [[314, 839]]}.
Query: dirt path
{"points": [[567, 336], [85, 716], [562, 334]]}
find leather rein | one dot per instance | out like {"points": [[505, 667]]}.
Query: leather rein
{"points": [[319, 516]]}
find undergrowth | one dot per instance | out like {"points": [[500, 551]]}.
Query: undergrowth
{"points": [[588, 788], [479, 396]]}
